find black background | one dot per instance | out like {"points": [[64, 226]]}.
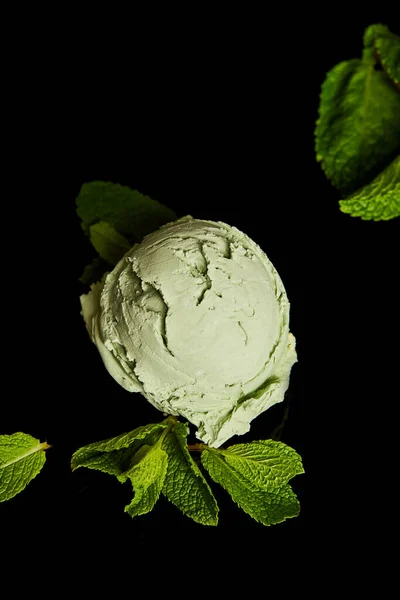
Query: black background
{"points": [[217, 123]]}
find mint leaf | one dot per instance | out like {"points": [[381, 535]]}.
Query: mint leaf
{"points": [[184, 484], [94, 271], [265, 464], [387, 49], [110, 244], [21, 459], [137, 456], [145, 499], [358, 130], [130, 213], [115, 462], [88, 456], [156, 458], [147, 476], [380, 200], [267, 507]]}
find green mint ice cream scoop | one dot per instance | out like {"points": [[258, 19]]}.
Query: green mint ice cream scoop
{"points": [[196, 319]]}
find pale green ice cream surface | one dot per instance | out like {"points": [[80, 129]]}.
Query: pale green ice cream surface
{"points": [[196, 319]]}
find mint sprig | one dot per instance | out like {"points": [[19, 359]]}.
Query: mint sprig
{"points": [[21, 458], [357, 133], [156, 459]]}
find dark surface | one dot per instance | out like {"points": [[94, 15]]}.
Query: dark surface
{"points": [[229, 137]]}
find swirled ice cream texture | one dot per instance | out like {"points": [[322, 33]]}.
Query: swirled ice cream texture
{"points": [[196, 318]]}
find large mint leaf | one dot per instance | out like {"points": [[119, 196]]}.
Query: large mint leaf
{"points": [[184, 484], [147, 476], [380, 200], [110, 244], [267, 507], [129, 212], [265, 464], [21, 459], [358, 130]]}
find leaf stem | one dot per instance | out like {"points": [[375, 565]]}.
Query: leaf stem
{"points": [[171, 421], [197, 447]]}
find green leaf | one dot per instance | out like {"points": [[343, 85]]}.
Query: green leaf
{"points": [[358, 130], [21, 459], [136, 456], [144, 499], [94, 271], [184, 484], [156, 458], [267, 507], [147, 476], [110, 244], [380, 200], [129, 212], [115, 462], [265, 464], [90, 455], [386, 46]]}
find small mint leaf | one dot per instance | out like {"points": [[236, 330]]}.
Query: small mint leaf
{"points": [[88, 455], [114, 462], [136, 456], [129, 212], [110, 244]]}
